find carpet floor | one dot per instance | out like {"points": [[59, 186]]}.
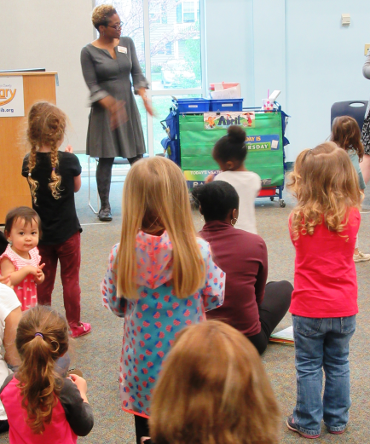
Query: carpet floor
{"points": [[97, 354]]}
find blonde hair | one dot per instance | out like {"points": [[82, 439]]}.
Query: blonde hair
{"points": [[325, 184], [155, 198], [46, 126], [101, 15], [213, 389], [39, 383], [347, 134]]}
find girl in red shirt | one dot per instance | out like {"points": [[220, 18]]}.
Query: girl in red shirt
{"points": [[323, 228]]}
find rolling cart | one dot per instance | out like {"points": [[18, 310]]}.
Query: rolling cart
{"points": [[189, 142]]}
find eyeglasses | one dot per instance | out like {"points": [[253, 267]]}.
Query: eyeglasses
{"points": [[118, 26]]}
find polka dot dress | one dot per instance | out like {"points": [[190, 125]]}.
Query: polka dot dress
{"points": [[152, 321]]}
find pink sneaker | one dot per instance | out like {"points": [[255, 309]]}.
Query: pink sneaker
{"points": [[81, 330], [292, 426], [336, 432]]}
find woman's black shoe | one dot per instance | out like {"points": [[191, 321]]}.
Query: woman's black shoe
{"points": [[105, 215]]}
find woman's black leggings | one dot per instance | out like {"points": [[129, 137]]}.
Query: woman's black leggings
{"points": [[104, 176], [275, 304]]}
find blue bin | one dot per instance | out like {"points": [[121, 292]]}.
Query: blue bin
{"points": [[196, 105], [226, 105]]}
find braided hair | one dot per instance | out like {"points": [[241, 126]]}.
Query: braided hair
{"points": [[46, 126]]}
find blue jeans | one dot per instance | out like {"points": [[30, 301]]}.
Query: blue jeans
{"points": [[322, 343]]}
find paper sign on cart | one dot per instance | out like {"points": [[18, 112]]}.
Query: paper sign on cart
{"points": [[268, 142], [224, 120]]}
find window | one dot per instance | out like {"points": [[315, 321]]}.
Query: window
{"points": [[173, 62], [179, 13], [185, 12], [169, 48], [164, 15], [189, 12], [155, 18]]}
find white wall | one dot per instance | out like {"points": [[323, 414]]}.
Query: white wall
{"points": [[229, 33], [324, 64], [50, 34]]}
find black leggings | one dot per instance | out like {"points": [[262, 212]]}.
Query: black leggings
{"points": [[275, 304], [105, 164], [104, 176], [141, 428]]}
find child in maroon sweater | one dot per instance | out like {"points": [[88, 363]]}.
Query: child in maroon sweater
{"points": [[250, 305]]}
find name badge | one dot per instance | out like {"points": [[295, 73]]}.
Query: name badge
{"points": [[122, 49]]}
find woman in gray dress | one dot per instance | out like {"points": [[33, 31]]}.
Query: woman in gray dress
{"points": [[108, 65]]}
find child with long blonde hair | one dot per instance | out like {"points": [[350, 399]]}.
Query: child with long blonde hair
{"points": [[323, 228], [213, 389], [160, 277], [347, 135], [42, 406], [54, 176]]}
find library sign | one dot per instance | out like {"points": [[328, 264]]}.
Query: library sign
{"points": [[11, 96]]}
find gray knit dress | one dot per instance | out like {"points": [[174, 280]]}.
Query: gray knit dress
{"points": [[107, 76]]}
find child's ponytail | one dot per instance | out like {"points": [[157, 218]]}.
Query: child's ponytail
{"points": [[42, 337]]}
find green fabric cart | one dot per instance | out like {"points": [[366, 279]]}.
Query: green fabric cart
{"points": [[265, 150]]}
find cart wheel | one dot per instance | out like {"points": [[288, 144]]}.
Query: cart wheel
{"points": [[282, 203], [272, 199]]}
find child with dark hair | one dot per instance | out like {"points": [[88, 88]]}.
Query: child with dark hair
{"points": [[250, 306], [230, 153], [20, 261]]}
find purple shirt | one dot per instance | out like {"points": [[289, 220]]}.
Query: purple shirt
{"points": [[243, 257]]}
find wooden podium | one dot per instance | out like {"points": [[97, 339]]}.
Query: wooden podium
{"points": [[14, 189]]}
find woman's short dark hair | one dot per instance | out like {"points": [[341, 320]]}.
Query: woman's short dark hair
{"points": [[101, 15], [216, 199], [232, 146]]}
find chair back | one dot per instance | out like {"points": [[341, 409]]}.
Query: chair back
{"points": [[352, 108]]}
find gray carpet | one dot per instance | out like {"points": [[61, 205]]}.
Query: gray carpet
{"points": [[97, 354]]}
